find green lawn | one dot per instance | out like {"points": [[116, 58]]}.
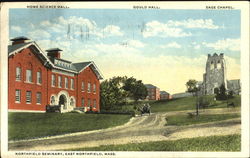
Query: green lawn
{"points": [[211, 143], [32, 125], [188, 103], [180, 120]]}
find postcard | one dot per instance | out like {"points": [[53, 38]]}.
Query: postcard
{"points": [[124, 79]]}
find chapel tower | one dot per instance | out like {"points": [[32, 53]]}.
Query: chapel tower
{"points": [[215, 74]]}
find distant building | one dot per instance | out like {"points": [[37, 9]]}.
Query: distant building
{"points": [[164, 95], [234, 85], [153, 92], [182, 95]]}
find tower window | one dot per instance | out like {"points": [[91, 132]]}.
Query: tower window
{"points": [[218, 65], [212, 65]]}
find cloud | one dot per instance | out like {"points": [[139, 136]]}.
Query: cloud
{"points": [[175, 28], [39, 34], [197, 46], [155, 28], [193, 23], [225, 44], [135, 43], [16, 28], [232, 68], [171, 45], [79, 27], [112, 30]]}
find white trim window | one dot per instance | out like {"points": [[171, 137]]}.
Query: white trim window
{"points": [[82, 86], [89, 87], [18, 73], [72, 102], [94, 103], [38, 98], [72, 83], [28, 97], [18, 96], [94, 88], [82, 102], [60, 81], [29, 75], [53, 80], [66, 83], [89, 103], [39, 77], [52, 100]]}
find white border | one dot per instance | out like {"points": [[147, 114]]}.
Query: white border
{"points": [[243, 6]]}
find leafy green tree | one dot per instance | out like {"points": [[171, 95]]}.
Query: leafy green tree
{"points": [[111, 93], [191, 86], [221, 93], [135, 88], [116, 90]]}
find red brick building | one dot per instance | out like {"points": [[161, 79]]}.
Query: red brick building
{"points": [[37, 79], [164, 95], [153, 92]]}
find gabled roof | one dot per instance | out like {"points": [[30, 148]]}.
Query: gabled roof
{"points": [[83, 65], [150, 86], [163, 92], [74, 68], [12, 48]]}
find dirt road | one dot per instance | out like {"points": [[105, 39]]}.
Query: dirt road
{"points": [[138, 129]]}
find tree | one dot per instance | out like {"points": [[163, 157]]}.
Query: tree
{"points": [[192, 86], [221, 93], [135, 88], [194, 89], [111, 93], [116, 90]]}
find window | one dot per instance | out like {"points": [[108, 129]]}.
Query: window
{"points": [[53, 80], [38, 97], [39, 77], [72, 103], [18, 73], [89, 87], [89, 102], [212, 65], [82, 101], [29, 75], [18, 96], [94, 88], [28, 97], [94, 103], [82, 86], [53, 100], [66, 83], [60, 81], [218, 65], [72, 83]]}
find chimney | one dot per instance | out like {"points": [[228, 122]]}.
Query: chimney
{"points": [[222, 55], [54, 53], [19, 40]]}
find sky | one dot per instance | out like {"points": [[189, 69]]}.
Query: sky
{"points": [[164, 47]]}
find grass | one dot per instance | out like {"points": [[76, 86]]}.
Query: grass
{"points": [[211, 143], [33, 125], [188, 103], [180, 120]]}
